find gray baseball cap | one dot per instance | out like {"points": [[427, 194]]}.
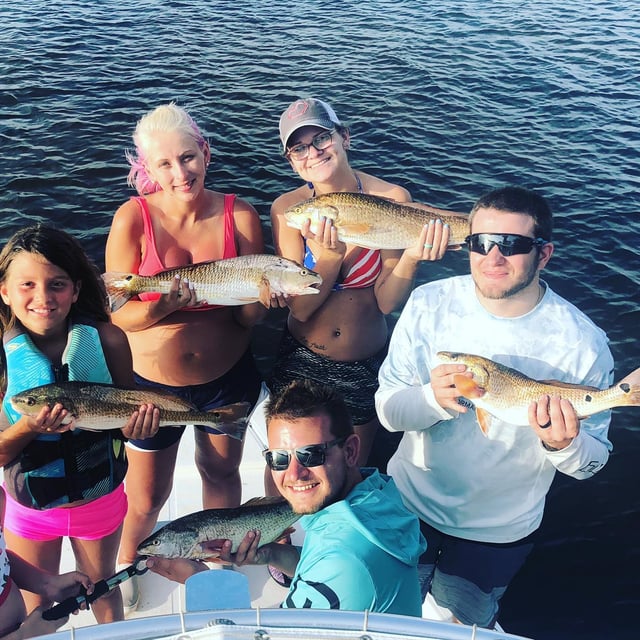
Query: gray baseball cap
{"points": [[306, 112]]}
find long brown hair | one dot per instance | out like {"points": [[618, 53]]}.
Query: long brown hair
{"points": [[64, 251]]}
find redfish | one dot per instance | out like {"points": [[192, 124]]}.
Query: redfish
{"points": [[505, 393], [232, 281], [373, 222]]}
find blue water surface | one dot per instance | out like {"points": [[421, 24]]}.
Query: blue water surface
{"points": [[449, 99]]}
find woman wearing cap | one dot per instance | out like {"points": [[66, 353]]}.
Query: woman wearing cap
{"points": [[340, 336]]}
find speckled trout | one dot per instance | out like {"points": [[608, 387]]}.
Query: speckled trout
{"points": [[232, 281], [99, 407], [183, 538], [506, 393], [373, 222]]}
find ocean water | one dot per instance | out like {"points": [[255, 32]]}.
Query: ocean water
{"points": [[449, 99]]}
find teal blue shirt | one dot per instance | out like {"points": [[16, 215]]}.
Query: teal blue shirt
{"points": [[360, 553]]}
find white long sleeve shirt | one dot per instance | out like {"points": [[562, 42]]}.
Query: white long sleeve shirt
{"points": [[486, 488]]}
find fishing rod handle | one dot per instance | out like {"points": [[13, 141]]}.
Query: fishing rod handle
{"points": [[69, 605]]}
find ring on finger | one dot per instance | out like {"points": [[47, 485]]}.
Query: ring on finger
{"points": [[428, 246], [546, 425]]}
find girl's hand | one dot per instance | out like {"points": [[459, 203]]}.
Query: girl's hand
{"points": [[35, 625], [57, 588], [54, 419], [143, 423]]}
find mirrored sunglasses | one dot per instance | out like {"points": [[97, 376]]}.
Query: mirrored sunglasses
{"points": [[320, 142], [312, 455], [509, 244]]}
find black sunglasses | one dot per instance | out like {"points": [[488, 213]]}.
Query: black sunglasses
{"points": [[509, 244], [313, 455]]}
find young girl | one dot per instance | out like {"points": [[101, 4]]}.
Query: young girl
{"points": [[196, 351], [62, 482], [17, 574]]}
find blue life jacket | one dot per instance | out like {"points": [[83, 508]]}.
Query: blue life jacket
{"points": [[56, 469]]}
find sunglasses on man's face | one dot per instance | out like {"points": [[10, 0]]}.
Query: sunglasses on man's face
{"points": [[509, 244], [312, 455]]}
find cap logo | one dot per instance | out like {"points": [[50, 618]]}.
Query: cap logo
{"points": [[297, 109]]}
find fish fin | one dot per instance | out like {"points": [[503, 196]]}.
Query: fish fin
{"points": [[568, 385], [232, 412], [116, 291], [262, 500], [484, 420], [265, 293], [468, 387], [355, 229], [632, 393]]}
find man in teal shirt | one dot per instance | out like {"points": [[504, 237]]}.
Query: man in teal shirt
{"points": [[361, 544]]}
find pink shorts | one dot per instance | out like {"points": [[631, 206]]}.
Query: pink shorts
{"points": [[91, 521]]}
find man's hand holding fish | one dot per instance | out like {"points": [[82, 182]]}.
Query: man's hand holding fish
{"points": [[555, 421]]}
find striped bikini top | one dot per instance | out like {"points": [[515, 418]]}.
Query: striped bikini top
{"points": [[364, 271]]}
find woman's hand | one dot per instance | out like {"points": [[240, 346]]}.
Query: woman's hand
{"points": [[432, 243], [143, 423], [325, 238]]}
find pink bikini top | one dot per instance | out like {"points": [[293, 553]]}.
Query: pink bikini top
{"points": [[151, 262]]}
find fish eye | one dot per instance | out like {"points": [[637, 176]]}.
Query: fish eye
{"points": [[30, 401], [304, 272], [129, 277], [156, 543]]}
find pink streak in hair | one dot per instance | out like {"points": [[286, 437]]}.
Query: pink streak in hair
{"points": [[138, 177]]}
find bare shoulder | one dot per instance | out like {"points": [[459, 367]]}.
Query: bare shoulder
{"points": [[243, 208], [288, 199], [379, 187], [127, 216]]}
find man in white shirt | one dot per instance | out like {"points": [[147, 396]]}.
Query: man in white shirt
{"points": [[480, 498]]}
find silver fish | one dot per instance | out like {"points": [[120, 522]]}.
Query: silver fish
{"points": [[99, 407], [232, 281], [183, 538]]}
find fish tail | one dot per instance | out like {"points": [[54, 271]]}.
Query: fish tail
{"points": [[632, 393], [235, 430], [231, 419], [116, 284]]}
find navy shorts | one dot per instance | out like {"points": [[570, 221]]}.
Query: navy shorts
{"points": [[470, 577], [356, 380], [240, 384]]}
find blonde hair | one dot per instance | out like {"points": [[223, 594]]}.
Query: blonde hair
{"points": [[166, 117]]}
